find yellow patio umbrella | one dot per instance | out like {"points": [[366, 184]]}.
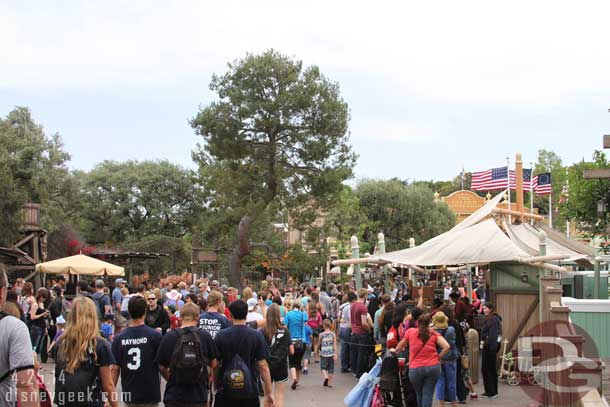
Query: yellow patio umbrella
{"points": [[80, 265]]}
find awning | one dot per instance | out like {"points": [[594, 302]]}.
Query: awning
{"points": [[527, 235], [80, 265], [482, 243]]}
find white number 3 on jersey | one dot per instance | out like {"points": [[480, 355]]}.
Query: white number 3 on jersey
{"points": [[136, 359]]}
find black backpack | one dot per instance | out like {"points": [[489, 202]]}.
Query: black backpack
{"points": [[101, 312], [278, 352], [388, 377], [74, 389], [188, 365], [238, 380]]}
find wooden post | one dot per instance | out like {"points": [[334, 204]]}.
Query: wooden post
{"points": [[519, 184], [541, 293], [596, 276], [356, 255]]}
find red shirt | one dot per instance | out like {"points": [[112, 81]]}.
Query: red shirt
{"points": [[356, 311], [174, 322], [422, 356]]}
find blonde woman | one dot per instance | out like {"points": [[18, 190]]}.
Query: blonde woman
{"points": [[82, 371], [246, 294]]}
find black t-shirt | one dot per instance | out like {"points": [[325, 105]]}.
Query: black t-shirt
{"points": [[249, 343], [104, 358], [135, 351], [213, 322], [188, 393]]}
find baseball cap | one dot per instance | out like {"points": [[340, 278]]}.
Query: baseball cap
{"points": [[252, 303], [119, 281], [60, 320]]}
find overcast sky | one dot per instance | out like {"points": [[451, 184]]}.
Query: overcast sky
{"points": [[431, 86]]}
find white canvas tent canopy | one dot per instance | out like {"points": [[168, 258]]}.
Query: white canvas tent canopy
{"points": [[80, 265], [481, 243], [480, 240], [526, 237]]}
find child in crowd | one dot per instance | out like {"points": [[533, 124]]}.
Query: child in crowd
{"points": [[174, 317], [108, 328], [307, 342], [43, 393], [61, 324], [328, 353]]}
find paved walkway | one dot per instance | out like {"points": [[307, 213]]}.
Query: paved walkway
{"points": [[311, 393]]}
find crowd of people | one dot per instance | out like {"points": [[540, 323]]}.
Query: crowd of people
{"points": [[434, 340], [216, 346]]}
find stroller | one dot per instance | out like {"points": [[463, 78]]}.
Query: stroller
{"points": [[394, 384]]}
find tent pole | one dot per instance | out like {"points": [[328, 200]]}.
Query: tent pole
{"points": [[386, 267], [356, 255]]}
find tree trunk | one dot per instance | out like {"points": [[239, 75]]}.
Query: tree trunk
{"points": [[239, 251]]}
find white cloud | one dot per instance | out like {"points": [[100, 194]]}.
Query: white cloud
{"points": [[478, 52]]}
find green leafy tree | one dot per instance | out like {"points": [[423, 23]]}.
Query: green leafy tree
{"points": [[178, 249], [445, 188], [274, 141], [32, 169], [345, 218], [548, 161], [131, 200], [401, 212], [584, 194]]}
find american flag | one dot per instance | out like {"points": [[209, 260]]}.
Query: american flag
{"points": [[542, 184], [495, 179]]}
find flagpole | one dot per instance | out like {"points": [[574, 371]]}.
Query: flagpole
{"points": [[551, 210], [508, 183], [531, 192], [567, 197], [462, 177]]}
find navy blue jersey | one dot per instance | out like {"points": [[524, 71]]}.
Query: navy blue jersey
{"points": [[213, 322], [135, 351], [187, 393], [249, 343], [93, 397]]}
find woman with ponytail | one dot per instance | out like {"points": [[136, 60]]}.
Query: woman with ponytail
{"points": [[424, 359]]}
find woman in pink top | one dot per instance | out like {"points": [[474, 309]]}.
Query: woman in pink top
{"points": [[424, 359]]}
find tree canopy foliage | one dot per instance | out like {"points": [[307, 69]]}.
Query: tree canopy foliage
{"points": [[580, 200], [32, 168], [401, 211], [275, 139], [131, 200]]}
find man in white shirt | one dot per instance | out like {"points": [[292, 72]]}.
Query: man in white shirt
{"points": [[17, 377], [254, 318], [447, 291]]}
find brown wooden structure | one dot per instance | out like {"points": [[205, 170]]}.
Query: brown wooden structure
{"points": [[31, 248]]}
